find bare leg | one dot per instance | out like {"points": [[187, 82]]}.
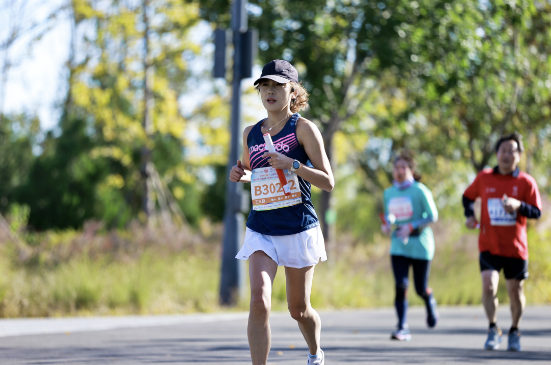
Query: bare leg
{"points": [[262, 271], [515, 289], [490, 280], [299, 287]]}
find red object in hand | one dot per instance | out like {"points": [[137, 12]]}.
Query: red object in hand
{"points": [[280, 173], [382, 218], [283, 181]]}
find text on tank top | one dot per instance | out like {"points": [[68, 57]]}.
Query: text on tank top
{"points": [[288, 219]]}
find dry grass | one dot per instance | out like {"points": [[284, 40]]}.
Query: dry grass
{"points": [[177, 271], [138, 270]]}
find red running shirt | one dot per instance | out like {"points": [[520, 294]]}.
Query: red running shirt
{"points": [[501, 233]]}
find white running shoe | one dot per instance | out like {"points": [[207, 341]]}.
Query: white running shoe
{"points": [[494, 339], [318, 360]]}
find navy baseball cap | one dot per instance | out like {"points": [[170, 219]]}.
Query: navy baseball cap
{"points": [[280, 71]]}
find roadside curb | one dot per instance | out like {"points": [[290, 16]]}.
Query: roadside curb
{"points": [[41, 326]]}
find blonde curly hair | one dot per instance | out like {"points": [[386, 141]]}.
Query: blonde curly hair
{"points": [[301, 101]]}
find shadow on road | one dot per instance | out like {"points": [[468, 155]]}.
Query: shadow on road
{"points": [[348, 337], [176, 352]]}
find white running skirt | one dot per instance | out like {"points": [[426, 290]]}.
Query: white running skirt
{"points": [[295, 250]]}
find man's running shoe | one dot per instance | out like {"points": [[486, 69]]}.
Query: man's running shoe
{"points": [[401, 335], [494, 339], [432, 313], [514, 341], [317, 360]]}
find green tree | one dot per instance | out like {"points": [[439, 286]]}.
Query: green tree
{"points": [[106, 92], [61, 185], [481, 70], [17, 139]]}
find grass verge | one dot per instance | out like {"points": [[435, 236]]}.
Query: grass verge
{"points": [[151, 272]]}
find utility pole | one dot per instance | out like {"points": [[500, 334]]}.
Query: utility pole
{"points": [[146, 167], [244, 44]]}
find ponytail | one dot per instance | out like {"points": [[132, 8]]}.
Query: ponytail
{"points": [[301, 101]]}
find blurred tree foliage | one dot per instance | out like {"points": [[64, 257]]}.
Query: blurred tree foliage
{"points": [[473, 72], [90, 168], [108, 89], [442, 79], [60, 189], [17, 137], [478, 70], [212, 201]]}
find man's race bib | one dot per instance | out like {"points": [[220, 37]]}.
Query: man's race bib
{"points": [[498, 215], [401, 207], [267, 192]]}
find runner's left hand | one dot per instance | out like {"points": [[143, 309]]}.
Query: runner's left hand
{"points": [[471, 222], [404, 231], [278, 160], [511, 205]]}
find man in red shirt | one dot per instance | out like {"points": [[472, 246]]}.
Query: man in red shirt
{"points": [[509, 196]]}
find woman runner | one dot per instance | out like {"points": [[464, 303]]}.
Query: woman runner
{"points": [[409, 204], [283, 229]]}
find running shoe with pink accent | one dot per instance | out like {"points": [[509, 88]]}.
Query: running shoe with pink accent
{"points": [[401, 335]]}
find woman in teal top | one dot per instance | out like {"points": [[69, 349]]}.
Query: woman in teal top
{"points": [[410, 207]]}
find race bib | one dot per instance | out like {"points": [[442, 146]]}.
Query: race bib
{"points": [[401, 207], [267, 192], [498, 215]]}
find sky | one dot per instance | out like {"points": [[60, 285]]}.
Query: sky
{"points": [[37, 81]]}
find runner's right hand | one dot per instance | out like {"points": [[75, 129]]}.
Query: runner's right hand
{"points": [[385, 228], [237, 172], [471, 222]]}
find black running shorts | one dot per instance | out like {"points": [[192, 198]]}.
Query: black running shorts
{"points": [[512, 268]]}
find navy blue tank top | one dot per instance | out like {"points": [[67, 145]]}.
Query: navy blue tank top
{"points": [[287, 220]]}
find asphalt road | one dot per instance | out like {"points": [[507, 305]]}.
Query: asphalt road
{"points": [[357, 337]]}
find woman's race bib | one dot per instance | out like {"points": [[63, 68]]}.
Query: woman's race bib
{"points": [[498, 215], [267, 192], [401, 207]]}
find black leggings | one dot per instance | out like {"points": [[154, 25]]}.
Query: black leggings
{"points": [[421, 271]]}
